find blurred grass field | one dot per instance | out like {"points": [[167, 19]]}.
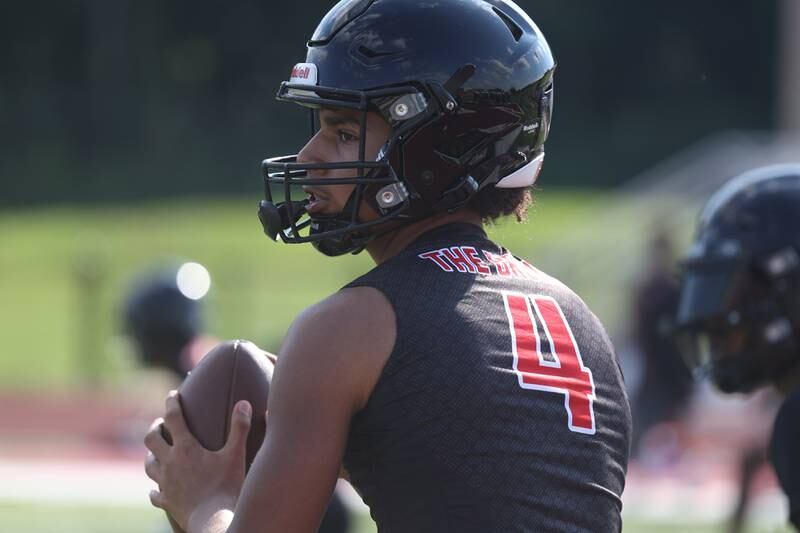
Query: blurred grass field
{"points": [[64, 270]]}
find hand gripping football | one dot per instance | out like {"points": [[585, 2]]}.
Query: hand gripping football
{"points": [[230, 372]]}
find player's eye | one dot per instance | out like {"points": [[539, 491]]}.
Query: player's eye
{"points": [[346, 137]]}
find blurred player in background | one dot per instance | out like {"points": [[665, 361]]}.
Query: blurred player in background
{"points": [[460, 388], [163, 315], [739, 310], [666, 385]]}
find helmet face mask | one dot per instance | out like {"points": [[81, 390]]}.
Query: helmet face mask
{"points": [[374, 181], [739, 358], [724, 314], [739, 313], [466, 87]]}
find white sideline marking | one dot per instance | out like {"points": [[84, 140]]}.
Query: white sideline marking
{"points": [[71, 482], [120, 483]]}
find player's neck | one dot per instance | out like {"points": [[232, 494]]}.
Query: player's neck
{"points": [[392, 243]]}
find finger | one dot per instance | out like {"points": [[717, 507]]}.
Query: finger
{"points": [[157, 499], [240, 426], [165, 434], [152, 468], [173, 418], [154, 439]]}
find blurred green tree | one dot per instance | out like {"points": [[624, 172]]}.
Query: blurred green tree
{"points": [[124, 99]]}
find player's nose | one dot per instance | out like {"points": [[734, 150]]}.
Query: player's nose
{"points": [[312, 153]]}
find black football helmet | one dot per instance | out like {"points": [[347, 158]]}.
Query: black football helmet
{"points": [[466, 86], [739, 311], [163, 312]]}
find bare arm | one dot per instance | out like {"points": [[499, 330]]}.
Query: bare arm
{"points": [[328, 365]]}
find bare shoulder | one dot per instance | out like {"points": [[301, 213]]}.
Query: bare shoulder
{"points": [[350, 334], [326, 369], [355, 302]]}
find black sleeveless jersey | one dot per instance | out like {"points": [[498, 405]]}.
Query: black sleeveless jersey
{"points": [[502, 406]]}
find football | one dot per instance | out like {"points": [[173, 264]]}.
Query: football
{"points": [[230, 372]]}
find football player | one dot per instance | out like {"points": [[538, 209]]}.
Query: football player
{"points": [[460, 388], [739, 310]]}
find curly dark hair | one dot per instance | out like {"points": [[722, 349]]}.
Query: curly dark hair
{"points": [[492, 203]]}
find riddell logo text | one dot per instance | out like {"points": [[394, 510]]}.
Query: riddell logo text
{"points": [[467, 259], [301, 72]]}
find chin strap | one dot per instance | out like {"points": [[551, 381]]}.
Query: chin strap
{"points": [[350, 242]]}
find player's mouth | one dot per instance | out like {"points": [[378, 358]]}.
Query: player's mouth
{"points": [[316, 201]]}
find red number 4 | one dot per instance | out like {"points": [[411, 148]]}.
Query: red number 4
{"points": [[565, 374]]}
